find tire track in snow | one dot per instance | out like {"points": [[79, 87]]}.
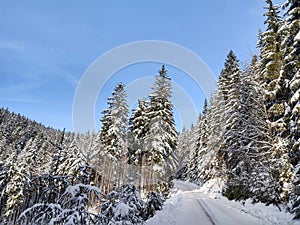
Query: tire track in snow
{"points": [[206, 212], [203, 207], [187, 206], [225, 217]]}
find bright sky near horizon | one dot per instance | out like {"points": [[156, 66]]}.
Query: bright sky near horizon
{"points": [[46, 46]]}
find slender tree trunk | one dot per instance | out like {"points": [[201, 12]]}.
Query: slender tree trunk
{"points": [[109, 176], [140, 172], [103, 174]]}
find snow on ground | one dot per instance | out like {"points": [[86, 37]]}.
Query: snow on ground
{"points": [[191, 205]]}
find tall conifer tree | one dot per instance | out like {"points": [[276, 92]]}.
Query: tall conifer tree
{"points": [[162, 137], [114, 124]]}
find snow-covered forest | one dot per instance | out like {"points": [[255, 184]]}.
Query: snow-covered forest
{"points": [[247, 139], [55, 177], [248, 136]]}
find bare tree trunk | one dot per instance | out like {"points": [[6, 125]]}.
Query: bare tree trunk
{"points": [[102, 187], [141, 173], [109, 180]]}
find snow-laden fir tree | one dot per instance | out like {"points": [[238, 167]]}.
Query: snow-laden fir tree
{"points": [[114, 124], [199, 147], [246, 149], [291, 71], [271, 57], [122, 206], [192, 139], [291, 74], [281, 168], [73, 207], [137, 152], [260, 162], [39, 160], [16, 182], [229, 80], [228, 96], [138, 129], [161, 140], [185, 143], [113, 137], [229, 85], [89, 146], [72, 164], [213, 162]]}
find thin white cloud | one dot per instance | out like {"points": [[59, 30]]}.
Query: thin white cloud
{"points": [[71, 79], [11, 45], [22, 100], [17, 88]]}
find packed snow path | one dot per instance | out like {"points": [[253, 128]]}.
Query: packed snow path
{"points": [[189, 206]]}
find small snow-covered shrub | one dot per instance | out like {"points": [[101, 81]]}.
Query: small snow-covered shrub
{"points": [[72, 208], [123, 206], [154, 203]]}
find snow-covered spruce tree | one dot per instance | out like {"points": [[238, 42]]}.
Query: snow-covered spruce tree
{"points": [[138, 129], [199, 147], [122, 206], [35, 157], [258, 144], [44, 161], [154, 202], [212, 164], [3, 182], [161, 140], [91, 168], [17, 180], [227, 100], [291, 70], [114, 123], [271, 59], [291, 74], [229, 85], [281, 165], [89, 146], [72, 208], [51, 185], [113, 136], [229, 80], [247, 143], [194, 158], [58, 152], [137, 153], [39, 155], [185, 140], [15, 174], [72, 164]]}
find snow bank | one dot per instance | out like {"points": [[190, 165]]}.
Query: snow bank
{"points": [[269, 215], [182, 208]]}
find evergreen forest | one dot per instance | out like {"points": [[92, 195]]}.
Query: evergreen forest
{"points": [[247, 138]]}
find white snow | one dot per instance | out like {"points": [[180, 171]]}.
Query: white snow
{"points": [[296, 108], [158, 168], [121, 210], [191, 205], [295, 97], [297, 38]]}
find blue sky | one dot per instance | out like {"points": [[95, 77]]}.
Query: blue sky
{"points": [[46, 46]]}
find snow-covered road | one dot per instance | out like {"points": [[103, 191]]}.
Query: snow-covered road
{"points": [[188, 206]]}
